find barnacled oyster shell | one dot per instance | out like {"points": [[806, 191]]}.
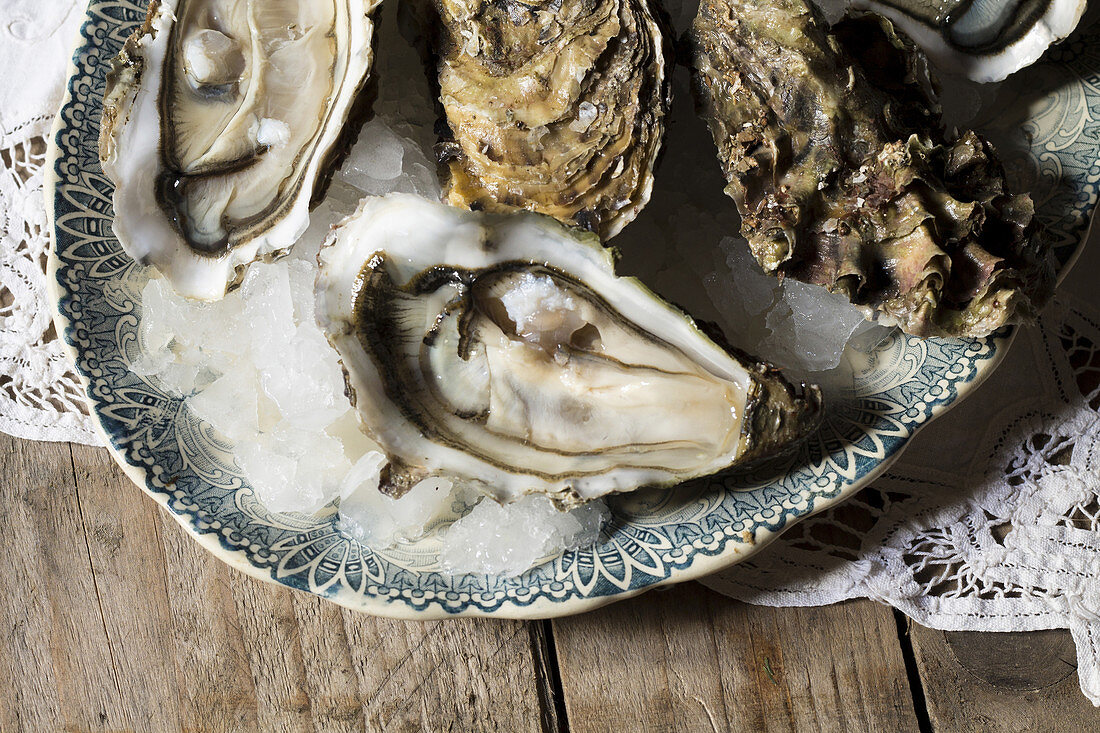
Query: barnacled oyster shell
{"points": [[503, 351], [843, 178], [555, 106], [220, 122]]}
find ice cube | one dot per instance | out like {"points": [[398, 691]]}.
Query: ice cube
{"points": [[230, 405], [152, 363], [378, 521], [158, 314], [364, 474], [302, 275], [810, 327], [377, 154], [507, 540], [304, 381], [755, 290], [270, 474], [221, 332], [268, 308], [182, 379]]}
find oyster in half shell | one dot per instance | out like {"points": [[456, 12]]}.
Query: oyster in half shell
{"points": [[985, 40], [220, 120], [832, 147], [554, 106], [503, 351]]}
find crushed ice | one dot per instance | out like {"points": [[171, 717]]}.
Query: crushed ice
{"points": [[258, 370], [509, 539]]}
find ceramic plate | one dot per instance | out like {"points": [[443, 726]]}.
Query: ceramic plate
{"points": [[1049, 141]]}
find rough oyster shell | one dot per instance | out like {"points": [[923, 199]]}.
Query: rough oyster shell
{"points": [[504, 351], [844, 180], [554, 106], [220, 120]]}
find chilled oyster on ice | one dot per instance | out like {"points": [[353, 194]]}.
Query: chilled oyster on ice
{"points": [[503, 350], [844, 179], [220, 122], [985, 40], [555, 106]]}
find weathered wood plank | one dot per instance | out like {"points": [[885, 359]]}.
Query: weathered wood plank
{"points": [[551, 702], [120, 523], [455, 675], [331, 681], [688, 659], [54, 648], [27, 681], [990, 682], [213, 668], [269, 631]]}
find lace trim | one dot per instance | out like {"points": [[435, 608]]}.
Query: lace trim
{"points": [[40, 394]]}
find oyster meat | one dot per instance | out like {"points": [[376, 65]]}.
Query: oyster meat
{"points": [[502, 350], [832, 147], [220, 122], [554, 106], [985, 40]]}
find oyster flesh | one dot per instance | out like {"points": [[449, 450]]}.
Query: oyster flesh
{"points": [[985, 40], [843, 178], [502, 350], [555, 106], [220, 120]]}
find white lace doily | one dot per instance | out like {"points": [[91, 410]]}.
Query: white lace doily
{"points": [[989, 522], [40, 396]]}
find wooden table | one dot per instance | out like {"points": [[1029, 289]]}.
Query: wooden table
{"points": [[160, 636]]}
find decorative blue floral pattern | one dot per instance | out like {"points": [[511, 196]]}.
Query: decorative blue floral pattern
{"points": [[1050, 142]]}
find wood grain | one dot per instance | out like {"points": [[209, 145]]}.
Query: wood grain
{"points": [[1001, 682], [113, 619], [55, 649], [27, 679], [459, 675], [331, 679], [216, 689], [123, 548], [687, 659]]}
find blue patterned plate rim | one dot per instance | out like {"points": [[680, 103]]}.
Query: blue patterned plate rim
{"points": [[653, 540]]}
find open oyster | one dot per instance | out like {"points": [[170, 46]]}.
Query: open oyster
{"points": [[843, 178], [504, 351], [985, 40], [555, 106], [219, 121]]}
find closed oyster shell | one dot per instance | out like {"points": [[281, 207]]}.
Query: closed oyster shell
{"points": [[832, 147], [554, 106]]}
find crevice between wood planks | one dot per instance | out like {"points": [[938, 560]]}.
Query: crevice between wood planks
{"points": [[548, 678], [916, 686]]}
